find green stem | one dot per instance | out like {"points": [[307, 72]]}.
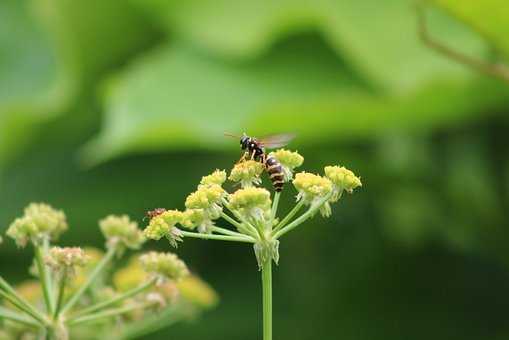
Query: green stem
{"points": [[275, 205], [49, 276], [95, 273], [8, 314], [311, 211], [107, 314], [114, 300], [45, 280], [245, 226], [226, 231], [60, 296], [244, 238], [28, 309], [267, 299], [289, 216], [231, 220]]}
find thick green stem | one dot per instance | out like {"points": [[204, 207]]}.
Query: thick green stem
{"points": [[267, 299], [115, 299], [44, 278], [107, 314], [10, 294], [289, 216], [301, 219], [95, 273], [8, 314], [242, 238], [60, 296]]}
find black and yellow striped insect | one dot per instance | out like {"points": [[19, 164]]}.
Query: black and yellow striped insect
{"points": [[255, 150]]}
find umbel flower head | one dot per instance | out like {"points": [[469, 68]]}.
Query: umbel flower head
{"points": [[343, 179], [165, 266], [121, 231], [289, 161], [312, 190], [247, 173], [251, 203], [40, 221], [209, 198], [164, 225], [218, 177], [67, 258]]}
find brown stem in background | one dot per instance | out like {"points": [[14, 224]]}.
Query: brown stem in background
{"points": [[497, 70]]}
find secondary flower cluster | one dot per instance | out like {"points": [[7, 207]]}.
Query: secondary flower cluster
{"points": [[74, 285], [251, 210]]}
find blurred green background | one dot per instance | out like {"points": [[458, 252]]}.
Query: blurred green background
{"points": [[120, 106]]}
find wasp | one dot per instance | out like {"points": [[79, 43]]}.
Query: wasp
{"points": [[154, 213], [255, 150]]}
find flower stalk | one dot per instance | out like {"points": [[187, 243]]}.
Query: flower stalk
{"points": [[255, 211]]}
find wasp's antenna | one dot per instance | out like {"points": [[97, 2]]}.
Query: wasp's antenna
{"points": [[231, 135]]}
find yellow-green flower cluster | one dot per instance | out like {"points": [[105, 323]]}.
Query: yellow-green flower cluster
{"points": [[66, 258], [343, 179], [218, 177], [39, 221], [289, 161], [164, 225], [197, 218], [164, 265], [247, 173], [251, 203], [120, 230], [312, 189], [208, 198]]}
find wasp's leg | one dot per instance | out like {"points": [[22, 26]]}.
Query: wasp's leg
{"points": [[243, 158]]}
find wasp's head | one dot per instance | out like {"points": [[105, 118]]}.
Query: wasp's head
{"points": [[244, 141]]}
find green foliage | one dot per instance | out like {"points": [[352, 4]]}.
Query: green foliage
{"points": [[489, 18]]}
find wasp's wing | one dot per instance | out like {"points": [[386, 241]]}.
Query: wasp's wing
{"points": [[276, 141]]}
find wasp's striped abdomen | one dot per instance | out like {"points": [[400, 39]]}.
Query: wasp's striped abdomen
{"points": [[275, 173]]}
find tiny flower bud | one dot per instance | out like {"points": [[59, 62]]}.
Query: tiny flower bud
{"points": [[163, 225], [312, 188], [251, 203], [164, 265], [247, 173], [218, 177], [289, 161], [121, 230], [39, 221], [343, 179], [207, 198]]}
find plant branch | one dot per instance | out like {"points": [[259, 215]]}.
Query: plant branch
{"points": [[60, 296], [289, 216], [226, 231], [243, 238], [95, 273], [245, 226], [497, 70], [8, 314], [115, 299], [107, 313], [275, 204], [44, 278], [27, 308], [310, 212]]}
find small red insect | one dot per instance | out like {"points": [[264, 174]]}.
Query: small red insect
{"points": [[154, 213]]}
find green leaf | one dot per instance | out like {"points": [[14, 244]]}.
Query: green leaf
{"points": [[50, 51], [176, 97], [378, 40], [488, 17]]}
